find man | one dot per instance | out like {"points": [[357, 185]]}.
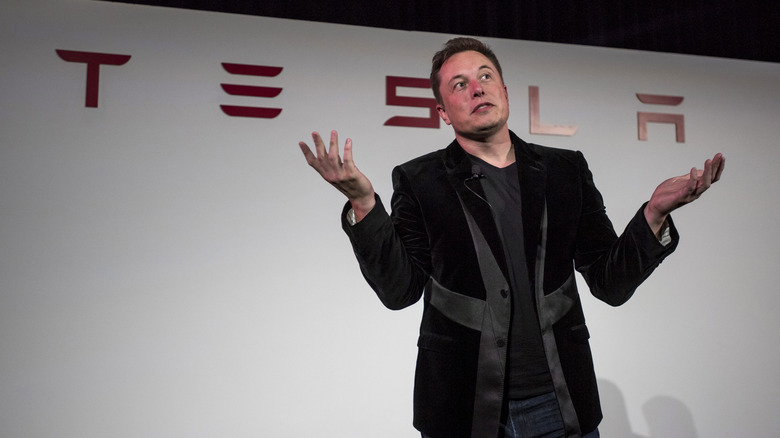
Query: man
{"points": [[489, 231]]}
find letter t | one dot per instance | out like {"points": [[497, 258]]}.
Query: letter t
{"points": [[93, 61]]}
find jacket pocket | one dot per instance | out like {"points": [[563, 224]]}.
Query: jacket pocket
{"points": [[441, 344]]}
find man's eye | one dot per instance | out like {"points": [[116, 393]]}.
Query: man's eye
{"points": [[485, 76]]}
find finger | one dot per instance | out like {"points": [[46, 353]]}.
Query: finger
{"points": [[706, 180], [721, 164], [348, 151], [333, 152], [319, 145], [693, 180], [307, 153]]}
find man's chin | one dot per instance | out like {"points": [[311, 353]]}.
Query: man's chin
{"points": [[487, 130]]}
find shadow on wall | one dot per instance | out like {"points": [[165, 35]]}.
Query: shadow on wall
{"points": [[666, 417]]}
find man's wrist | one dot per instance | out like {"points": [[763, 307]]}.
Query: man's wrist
{"points": [[360, 208], [654, 219]]}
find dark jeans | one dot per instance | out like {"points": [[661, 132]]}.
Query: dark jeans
{"points": [[536, 417]]}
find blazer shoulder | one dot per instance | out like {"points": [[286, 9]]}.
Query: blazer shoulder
{"points": [[422, 164], [558, 158], [532, 152], [554, 153]]}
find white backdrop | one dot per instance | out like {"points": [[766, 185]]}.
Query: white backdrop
{"points": [[169, 271]]}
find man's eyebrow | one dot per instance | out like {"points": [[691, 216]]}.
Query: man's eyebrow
{"points": [[461, 75], [458, 76]]}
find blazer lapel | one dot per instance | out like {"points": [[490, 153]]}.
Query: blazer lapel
{"points": [[533, 179], [459, 172]]}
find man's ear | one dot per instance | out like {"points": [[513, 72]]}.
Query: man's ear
{"points": [[443, 113]]}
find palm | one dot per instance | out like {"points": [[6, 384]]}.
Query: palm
{"points": [[678, 191], [341, 174]]}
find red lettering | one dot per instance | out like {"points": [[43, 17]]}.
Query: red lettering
{"points": [[251, 90], [93, 61], [643, 118], [392, 98], [537, 127]]}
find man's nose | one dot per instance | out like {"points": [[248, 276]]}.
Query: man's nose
{"points": [[476, 89]]}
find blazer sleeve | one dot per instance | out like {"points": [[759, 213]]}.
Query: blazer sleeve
{"points": [[614, 266], [392, 252]]}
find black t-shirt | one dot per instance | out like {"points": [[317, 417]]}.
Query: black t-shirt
{"points": [[527, 370]]}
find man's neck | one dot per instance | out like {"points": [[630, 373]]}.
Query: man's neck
{"points": [[496, 150]]}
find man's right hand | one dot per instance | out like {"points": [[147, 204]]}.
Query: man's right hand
{"points": [[343, 175]]}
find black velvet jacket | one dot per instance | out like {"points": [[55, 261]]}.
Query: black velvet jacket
{"points": [[441, 243]]}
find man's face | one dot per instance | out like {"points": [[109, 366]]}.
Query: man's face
{"points": [[474, 99]]}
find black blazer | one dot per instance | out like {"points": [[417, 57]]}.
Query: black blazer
{"points": [[427, 248]]}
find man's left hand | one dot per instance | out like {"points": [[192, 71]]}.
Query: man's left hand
{"points": [[678, 191]]}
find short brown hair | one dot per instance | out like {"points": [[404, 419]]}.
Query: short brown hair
{"points": [[455, 46]]}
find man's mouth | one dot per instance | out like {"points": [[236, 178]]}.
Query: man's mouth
{"points": [[481, 107]]}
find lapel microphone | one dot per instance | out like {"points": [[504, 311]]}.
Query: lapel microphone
{"points": [[476, 173]]}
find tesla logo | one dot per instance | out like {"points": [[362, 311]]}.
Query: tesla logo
{"points": [[93, 61], [643, 118], [392, 98], [251, 90]]}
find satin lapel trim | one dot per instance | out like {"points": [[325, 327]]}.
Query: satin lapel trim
{"points": [[458, 171], [533, 185]]}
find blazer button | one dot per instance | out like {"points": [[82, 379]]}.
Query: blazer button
{"points": [[500, 343], [504, 293]]}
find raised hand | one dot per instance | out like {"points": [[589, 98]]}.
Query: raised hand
{"points": [[678, 191], [341, 174]]}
